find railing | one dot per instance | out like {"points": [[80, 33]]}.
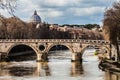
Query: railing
{"points": [[53, 40]]}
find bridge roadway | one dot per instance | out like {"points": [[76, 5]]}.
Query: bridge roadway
{"points": [[76, 46]]}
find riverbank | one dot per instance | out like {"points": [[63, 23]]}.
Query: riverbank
{"points": [[110, 65]]}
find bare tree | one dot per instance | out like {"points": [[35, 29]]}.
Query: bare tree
{"points": [[112, 25], [9, 5]]}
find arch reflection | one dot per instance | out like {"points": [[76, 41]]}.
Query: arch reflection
{"points": [[15, 70], [26, 69]]}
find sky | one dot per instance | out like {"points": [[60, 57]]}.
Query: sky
{"points": [[63, 11]]}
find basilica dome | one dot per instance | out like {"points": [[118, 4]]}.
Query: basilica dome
{"points": [[35, 18]]}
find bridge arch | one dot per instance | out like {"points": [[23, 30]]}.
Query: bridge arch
{"points": [[28, 45], [52, 45], [96, 46]]}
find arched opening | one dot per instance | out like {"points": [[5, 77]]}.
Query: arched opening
{"points": [[95, 52], [103, 52], [59, 53], [89, 53], [42, 47], [21, 53]]}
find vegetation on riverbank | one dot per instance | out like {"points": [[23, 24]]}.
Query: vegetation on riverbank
{"points": [[15, 28], [110, 65]]}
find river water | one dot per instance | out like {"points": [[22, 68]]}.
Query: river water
{"points": [[59, 67]]}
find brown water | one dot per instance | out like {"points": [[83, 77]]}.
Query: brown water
{"points": [[59, 68]]}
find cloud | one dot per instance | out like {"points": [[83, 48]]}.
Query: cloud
{"points": [[50, 12], [4, 13], [26, 5], [63, 11], [60, 2], [54, 13], [87, 11]]}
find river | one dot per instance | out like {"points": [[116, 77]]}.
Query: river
{"points": [[59, 67]]}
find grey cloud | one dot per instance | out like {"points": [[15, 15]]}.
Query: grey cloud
{"points": [[64, 11]]}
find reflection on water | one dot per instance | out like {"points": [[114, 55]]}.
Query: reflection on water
{"points": [[43, 69], [55, 70], [76, 69], [16, 69], [111, 76], [59, 56], [20, 71]]}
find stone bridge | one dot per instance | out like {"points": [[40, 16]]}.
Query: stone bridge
{"points": [[76, 46]]}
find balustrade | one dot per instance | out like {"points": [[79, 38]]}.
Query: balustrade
{"points": [[56, 40]]}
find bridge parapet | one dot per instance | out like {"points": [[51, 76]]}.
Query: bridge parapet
{"points": [[54, 40]]}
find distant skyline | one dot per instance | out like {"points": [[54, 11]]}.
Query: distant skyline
{"points": [[63, 11]]}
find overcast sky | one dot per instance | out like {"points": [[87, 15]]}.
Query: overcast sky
{"points": [[63, 11]]}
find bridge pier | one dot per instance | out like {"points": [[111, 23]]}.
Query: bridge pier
{"points": [[3, 57], [76, 57], [42, 57]]}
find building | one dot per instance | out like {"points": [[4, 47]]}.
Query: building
{"points": [[77, 32], [36, 19]]}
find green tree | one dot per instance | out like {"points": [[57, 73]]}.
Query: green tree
{"points": [[90, 26], [112, 25]]}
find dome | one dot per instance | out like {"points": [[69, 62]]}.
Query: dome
{"points": [[35, 18]]}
